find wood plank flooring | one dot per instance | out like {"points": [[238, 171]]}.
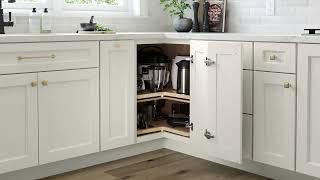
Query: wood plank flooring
{"points": [[158, 165]]}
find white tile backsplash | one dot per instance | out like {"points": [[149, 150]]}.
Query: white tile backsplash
{"points": [[291, 16]]}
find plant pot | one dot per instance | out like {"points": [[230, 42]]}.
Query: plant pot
{"points": [[182, 24]]}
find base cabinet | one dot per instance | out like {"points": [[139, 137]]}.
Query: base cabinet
{"points": [[19, 122], [216, 104], [274, 119], [68, 114], [308, 112], [118, 94]]}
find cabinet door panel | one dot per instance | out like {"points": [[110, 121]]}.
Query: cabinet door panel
{"points": [[19, 122], [68, 114], [216, 104], [308, 124], [118, 94], [274, 119]]}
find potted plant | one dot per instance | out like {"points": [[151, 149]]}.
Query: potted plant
{"points": [[178, 8]]}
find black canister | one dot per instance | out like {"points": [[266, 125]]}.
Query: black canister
{"points": [[183, 86]]}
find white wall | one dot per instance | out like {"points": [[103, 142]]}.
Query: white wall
{"points": [[291, 16], [155, 20]]}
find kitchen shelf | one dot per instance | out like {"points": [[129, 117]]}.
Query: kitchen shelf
{"points": [[162, 126], [166, 94]]}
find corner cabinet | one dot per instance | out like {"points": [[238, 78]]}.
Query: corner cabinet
{"points": [[216, 103], [19, 122], [308, 114], [118, 94], [68, 114]]}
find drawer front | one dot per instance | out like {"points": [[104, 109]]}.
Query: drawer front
{"points": [[31, 57], [275, 57]]}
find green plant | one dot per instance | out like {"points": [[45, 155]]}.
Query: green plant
{"points": [[175, 7]]}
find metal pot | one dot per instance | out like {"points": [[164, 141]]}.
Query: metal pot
{"points": [[183, 77]]}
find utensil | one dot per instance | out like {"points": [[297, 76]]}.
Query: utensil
{"points": [[88, 26]]}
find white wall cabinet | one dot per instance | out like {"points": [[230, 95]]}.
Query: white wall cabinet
{"points": [[68, 114], [19, 122], [118, 94], [308, 113], [216, 104], [274, 119]]}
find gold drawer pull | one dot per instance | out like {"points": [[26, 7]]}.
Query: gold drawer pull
{"points": [[273, 57], [287, 85], [45, 83], [34, 84], [52, 56]]}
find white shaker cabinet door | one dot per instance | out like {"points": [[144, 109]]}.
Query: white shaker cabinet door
{"points": [[308, 112], [118, 94], [18, 122], [216, 103], [274, 119], [68, 114]]}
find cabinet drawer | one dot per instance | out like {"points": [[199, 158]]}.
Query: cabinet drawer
{"points": [[30, 57], [275, 57]]}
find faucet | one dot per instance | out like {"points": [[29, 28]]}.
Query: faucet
{"points": [[2, 23]]}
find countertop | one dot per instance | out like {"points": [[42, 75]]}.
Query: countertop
{"points": [[57, 37]]}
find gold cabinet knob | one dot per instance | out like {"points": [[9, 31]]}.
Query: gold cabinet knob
{"points": [[273, 57], [45, 83], [287, 85], [34, 84]]}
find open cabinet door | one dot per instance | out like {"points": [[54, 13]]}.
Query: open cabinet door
{"points": [[216, 104]]}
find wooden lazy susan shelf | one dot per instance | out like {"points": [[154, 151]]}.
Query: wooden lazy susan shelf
{"points": [[166, 94], [162, 126]]}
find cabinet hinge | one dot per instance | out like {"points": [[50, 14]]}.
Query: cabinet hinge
{"points": [[190, 126]]}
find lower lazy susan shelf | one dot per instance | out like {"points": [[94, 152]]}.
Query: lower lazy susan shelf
{"points": [[162, 126]]}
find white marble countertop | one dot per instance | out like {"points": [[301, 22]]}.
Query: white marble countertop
{"points": [[18, 38]]}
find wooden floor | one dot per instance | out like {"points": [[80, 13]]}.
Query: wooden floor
{"points": [[158, 165]]}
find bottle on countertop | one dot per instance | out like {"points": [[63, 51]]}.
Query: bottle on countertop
{"points": [[34, 22], [46, 22]]}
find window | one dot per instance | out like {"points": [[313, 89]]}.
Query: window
{"points": [[61, 6], [96, 5], [27, 4]]}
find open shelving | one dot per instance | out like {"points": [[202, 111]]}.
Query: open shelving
{"points": [[158, 126], [165, 94]]}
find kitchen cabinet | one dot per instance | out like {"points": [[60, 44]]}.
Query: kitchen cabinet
{"points": [[35, 57], [275, 57], [118, 94], [19, 122], [216, 99], [274, 119], [308, 114], [68, 114]]}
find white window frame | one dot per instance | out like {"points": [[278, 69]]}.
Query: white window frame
{"points": [[122, 7], [60, 8], [25, 6]]}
